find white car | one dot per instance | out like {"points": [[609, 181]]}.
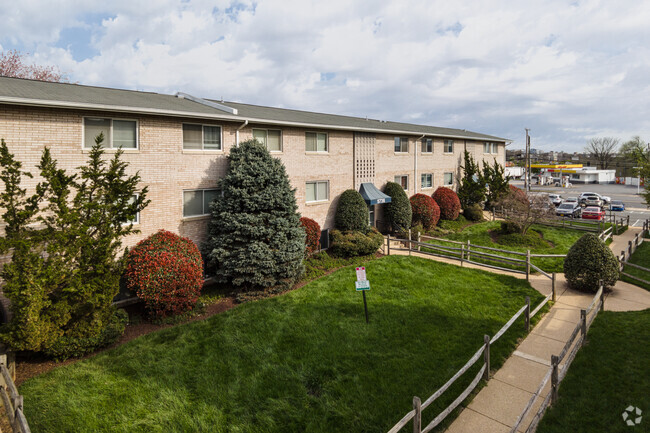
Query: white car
{"points": [[604, 199], [555, 199]]}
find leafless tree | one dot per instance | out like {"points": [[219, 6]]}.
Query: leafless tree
{"points": [[524, 212], [602, 149], [12, 64]]}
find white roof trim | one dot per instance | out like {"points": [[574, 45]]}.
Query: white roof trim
{"points": [[206, 102]]}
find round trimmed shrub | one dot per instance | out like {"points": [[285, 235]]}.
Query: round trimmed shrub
{"points": [[351, 212], [312, 231], [588, 261], [398, 212], [355, 243], [518, 194], [166, 272], [449, 203], [473, 213], [425, 211]]}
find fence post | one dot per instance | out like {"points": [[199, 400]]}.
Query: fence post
{"points": [[462, 254], [388, 243], [554, 378], [469, 248], [628, 222], [622, 257], [419, 240], [553, 286], [615, 228], [527, 313], [486, 357], [583, 325], [527, 264], [410, 245], [417, 419]]}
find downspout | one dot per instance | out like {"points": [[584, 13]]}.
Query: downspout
{"points": [[415, 165], [237, 132]]}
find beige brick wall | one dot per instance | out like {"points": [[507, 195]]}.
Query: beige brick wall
{"points": [[167, 170]]}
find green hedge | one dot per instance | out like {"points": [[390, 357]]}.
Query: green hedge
{"points": [[588, 261], [351, 212], [354, 243]]}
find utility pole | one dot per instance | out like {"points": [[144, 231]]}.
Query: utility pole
{"points": [[527, 162]]}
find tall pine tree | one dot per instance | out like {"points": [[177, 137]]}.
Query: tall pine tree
{"points": [[255, 240], [472, 185]]}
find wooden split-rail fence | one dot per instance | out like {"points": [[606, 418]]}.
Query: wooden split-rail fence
{"points": [[466, 252], [11, 399], [557, 371], [482, 354], [624, 258]]}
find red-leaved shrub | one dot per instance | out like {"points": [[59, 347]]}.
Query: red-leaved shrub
{"points": [[425, 211], [518, 194], [312, 229], [166, 272], [448, 201]]}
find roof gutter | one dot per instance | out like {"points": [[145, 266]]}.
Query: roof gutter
{"points": [[161, 112]]}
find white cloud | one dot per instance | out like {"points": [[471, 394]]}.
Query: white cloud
{"points": [[569, 71]]}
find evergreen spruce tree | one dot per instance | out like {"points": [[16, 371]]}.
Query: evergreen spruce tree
{"points": [[255, 240], [497, 181], [472, 185]]}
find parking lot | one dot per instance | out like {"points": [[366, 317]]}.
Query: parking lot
{"points": [[635, 206]]}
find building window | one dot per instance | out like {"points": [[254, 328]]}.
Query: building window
{"points": [[271, 138], [449, 146], [448, 179], [427, 180], [489, 147], [575, 176], [317, 191], [427, 145], [401, 144], [316, 142], [197, 202], [403, 180], [117, 133], [136, 218], [201, 137]]}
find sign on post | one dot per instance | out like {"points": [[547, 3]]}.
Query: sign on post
{"points": [[362, 284]]}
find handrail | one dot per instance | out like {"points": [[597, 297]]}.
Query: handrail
{"points": [[536, 394], [541, 305]]}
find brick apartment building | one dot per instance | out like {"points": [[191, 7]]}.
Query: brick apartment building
{"points": [[179, 144]]}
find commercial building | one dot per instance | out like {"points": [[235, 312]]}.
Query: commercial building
{"points": [[179, 144]]}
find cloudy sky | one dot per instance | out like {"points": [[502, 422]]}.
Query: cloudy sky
{"points": [[569, 71]]}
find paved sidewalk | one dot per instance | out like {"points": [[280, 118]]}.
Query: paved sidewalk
{"points": [[496, 407]]}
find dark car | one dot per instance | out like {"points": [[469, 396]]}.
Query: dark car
{"points": [[571, 210], [617, 206]]}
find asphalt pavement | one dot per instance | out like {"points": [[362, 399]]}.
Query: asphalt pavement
{"points": [[635, 206]]}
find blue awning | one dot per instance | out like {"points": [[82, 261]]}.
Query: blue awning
{"points": [[372, 195]]}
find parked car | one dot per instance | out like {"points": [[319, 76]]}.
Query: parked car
{"points": [[617, 206], [570, 200], [591, 200], [572, 210], [593, 213], [555, 199], [603, 198]]}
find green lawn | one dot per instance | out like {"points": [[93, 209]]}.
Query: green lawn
{"points": [[558, 241], [640, 257], [305, 361], [609, 374]]}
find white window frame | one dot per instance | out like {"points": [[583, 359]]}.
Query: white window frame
{"points": [[422, 186], [401, 176], [425, 142], [267, 138], [444, 175], [202, 201], [490, 147], [318, 200], [109, 146], [449, 143], [401, 142], [327, 142], [203, 149]]}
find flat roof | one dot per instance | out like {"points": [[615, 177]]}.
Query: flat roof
{"points": [[18, 91]]}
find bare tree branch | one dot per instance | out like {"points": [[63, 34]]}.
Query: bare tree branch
{"points": [[602, 149]]}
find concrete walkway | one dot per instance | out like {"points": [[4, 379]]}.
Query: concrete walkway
{"points": [[496, 407]]}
